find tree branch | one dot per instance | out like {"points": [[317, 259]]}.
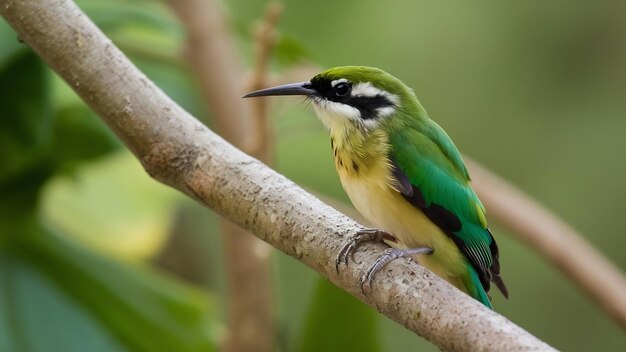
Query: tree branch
{"points": [[265, 39], [178, 150]]}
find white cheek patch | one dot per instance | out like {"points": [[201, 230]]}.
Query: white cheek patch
{"points": [[336, 115], [368, 90], [386, 111]]}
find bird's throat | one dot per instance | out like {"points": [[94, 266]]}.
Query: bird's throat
{"points": [[358, 153]]}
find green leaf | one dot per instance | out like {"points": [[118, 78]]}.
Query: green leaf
{"points": [[290, 51], [37, 315], [111, 15], [177, 83], [142, 310], [339, 322], [80, 135], [112, 205], [10, 44], [26, 123]]}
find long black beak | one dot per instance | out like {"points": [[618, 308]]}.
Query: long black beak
{"points": [[300, 88]]}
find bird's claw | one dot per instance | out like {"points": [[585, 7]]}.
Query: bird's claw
{"points": [[344, 253], [388, 255], [364, 235]]}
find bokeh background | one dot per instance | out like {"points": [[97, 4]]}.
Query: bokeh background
{"points": [[534, 90]]}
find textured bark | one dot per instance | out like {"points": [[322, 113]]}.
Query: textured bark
{"points": [[178, 150]]}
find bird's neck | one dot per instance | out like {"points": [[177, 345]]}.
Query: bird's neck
{"points": [[357, 152]]}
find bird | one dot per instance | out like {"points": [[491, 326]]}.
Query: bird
{"points": [[405, 175]]}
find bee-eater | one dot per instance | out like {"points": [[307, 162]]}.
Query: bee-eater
{"points": [[404, 174]]}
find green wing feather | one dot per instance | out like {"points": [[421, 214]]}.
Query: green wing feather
{"points": [[425, 157]]}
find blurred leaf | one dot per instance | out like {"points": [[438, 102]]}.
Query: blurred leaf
{"points": [[142, 29], [80, 135], [26, 123], [32, 308], [143, 310], [339, 322], [177, 83], [10, 44], [290, 51], [112, 205], [111, 15]]}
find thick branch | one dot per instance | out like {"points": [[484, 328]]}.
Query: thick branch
{"points": [[178, 150], [555, 240]]}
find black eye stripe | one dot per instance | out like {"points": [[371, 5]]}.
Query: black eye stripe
{"points": [[367, 106]]}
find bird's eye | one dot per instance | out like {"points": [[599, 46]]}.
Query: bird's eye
{"points": [[342, 89]]}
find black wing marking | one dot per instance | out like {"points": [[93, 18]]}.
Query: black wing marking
{"points": [[450, 223]]}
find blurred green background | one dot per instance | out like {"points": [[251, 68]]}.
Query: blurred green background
{"points": [[534, 90]]}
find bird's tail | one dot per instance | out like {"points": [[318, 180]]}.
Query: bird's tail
{"points": [[475, 288]]}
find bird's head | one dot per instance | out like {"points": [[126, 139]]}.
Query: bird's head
{"points": [[349, 96]]}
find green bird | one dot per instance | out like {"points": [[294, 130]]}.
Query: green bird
{"points": [[403, 174]]}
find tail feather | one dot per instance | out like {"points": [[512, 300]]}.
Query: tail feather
{"points": [[475, 288], [500, 284], [494, 270]]}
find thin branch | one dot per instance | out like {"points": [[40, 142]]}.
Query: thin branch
{"points": [[554, 240], [178, 150], [209, 50], [265, 40]]}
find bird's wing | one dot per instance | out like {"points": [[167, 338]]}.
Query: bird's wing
{"points": [[431, 175]]}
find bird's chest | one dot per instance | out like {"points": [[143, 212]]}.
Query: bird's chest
{"points": [[371, 190], [370, 195], [364, 171]]}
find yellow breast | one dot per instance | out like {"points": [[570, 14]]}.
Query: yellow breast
{"points": [[367, 179]]}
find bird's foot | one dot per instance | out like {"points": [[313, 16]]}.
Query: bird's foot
{"points": [[361, 236], [388, 255]]}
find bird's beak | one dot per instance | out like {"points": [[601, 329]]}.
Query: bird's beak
{"points": [[300, 88]]}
